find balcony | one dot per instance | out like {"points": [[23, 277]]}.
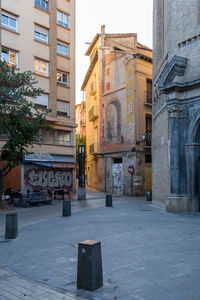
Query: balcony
{"points": [[93, 149], [83, 123], [93, 88], [93, 115]]}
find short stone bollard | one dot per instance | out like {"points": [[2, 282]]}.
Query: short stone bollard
{"points": [[11, 226], [108, 200], [148, 195], [89, 271], [66, 210]]}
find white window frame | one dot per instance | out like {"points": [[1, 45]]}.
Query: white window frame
{"points": [[8, 61], [9, 16], [61, 52], [61, 77], [40, 70], [60, 19], [40, 6], [42, 31]]}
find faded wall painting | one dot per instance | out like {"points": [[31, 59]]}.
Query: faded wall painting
{"points": [[48, 178], [113, 121]]}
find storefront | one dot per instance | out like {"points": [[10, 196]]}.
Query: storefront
{"points": [[47, 171]]}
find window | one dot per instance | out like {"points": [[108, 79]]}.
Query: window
{"points": [[108, 71], [63, 78], [148, 129], [42, 100], [41, 34], [43, 4], [10, 56], [63, 108], [63, 137], [62, 19], [129, 92], [149, 91], [107, 86], [62, 49], [41, 67], [9, 21]]}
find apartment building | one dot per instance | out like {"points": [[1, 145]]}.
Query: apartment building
{"points": [[81, 118], [118, 88], [39, 35]]}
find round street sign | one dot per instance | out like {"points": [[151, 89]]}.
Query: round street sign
{"points": [[131, 169]]}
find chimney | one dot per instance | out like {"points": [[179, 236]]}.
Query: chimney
{"points": [[103, 29]]}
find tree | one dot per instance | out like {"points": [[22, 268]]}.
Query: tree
{"points": [[20, 120]]}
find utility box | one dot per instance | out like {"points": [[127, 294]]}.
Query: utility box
{"points": [[89, 271]]}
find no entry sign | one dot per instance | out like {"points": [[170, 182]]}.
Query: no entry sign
{"points": [[131, 169]]}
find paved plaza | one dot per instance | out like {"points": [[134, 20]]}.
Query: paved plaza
{"points": [[147, 254]]}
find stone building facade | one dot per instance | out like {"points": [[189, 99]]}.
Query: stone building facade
{"points": [[176, 105], [39, 35], [118, 112]]}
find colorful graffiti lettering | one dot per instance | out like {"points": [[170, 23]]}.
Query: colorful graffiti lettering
{"points": [[44, 178]]}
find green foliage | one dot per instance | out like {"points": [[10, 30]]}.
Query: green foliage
{"points": [[20, 120], [80, 140]]}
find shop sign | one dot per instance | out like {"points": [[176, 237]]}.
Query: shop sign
{"points": [[38, 156]]}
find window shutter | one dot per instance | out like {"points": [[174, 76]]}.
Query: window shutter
{"points": [[41, 30], [43, 99], [63, 107]]}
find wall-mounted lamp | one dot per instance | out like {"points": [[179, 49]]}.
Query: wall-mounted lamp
{"points": [[144, 138]]}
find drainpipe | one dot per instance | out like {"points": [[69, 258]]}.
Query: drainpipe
{"points": [[136, 96]]}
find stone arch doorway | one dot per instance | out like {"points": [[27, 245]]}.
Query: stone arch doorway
{"points": [[193, 165]]}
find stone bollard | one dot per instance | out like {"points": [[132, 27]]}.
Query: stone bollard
{"points": [[89, 271], [66, 210], [108, 200], [148, 195], [11, 227]]}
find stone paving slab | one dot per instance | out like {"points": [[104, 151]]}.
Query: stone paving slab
{"points": [[148, 254], [15, 287]]}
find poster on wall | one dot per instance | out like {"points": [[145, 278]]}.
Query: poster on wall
{"points": [[117, 174], [43, 178]]}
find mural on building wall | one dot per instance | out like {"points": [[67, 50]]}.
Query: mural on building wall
{"points": [[113, 121], [48, 178], [117, 174]]}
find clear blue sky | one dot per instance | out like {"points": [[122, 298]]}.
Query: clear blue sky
{"points": [[126, 16]]}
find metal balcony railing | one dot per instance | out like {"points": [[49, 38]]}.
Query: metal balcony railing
{"points": [[149, 97]]}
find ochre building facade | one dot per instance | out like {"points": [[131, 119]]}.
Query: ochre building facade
{"points": [[118, 114]]}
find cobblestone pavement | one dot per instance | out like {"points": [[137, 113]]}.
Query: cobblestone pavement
{"points": [[148, 254], [15, 287]]}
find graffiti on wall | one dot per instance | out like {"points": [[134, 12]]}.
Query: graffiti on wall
{"points": [[117, 173], [48, 178]]}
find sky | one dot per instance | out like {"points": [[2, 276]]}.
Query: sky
{"points": [[126, 16]]}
